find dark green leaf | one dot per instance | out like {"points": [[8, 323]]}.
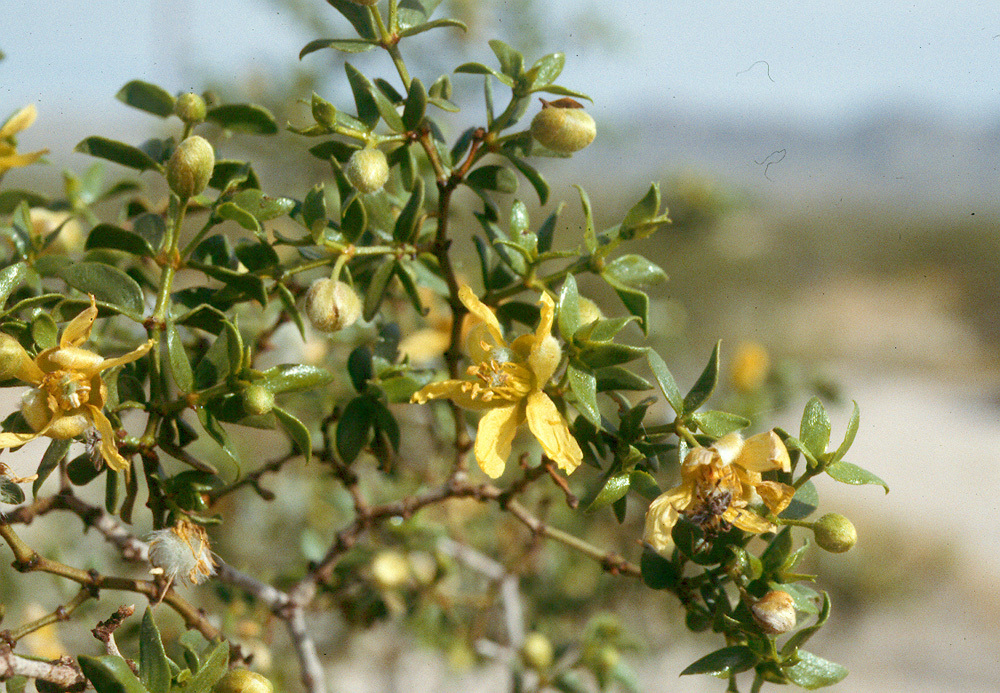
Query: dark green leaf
{"points": [[814, 431], [634, 300], [378, 287], [705, 384], [359, 367], [296, 431], [614, 488], [233, 174], [117, 152], [847, 473], [387, 109], [147, 97], [262, 207], [213, 667], [617, 378], [295, 378], [115, 238], [812, 672], [358, 15], [799, 638], [154, 668], [342, 45], [257, 257], [727, 660], [804, 502], [657, 572], [406, 224], [362, 88], [603, 354], [536, 179], [240, 283], [719, 423], [493, 177], [644, 484], [151, 227], [355, 220], [583, 384], [10, 492], [314, 211], [108, 284], [54, 454], [10, 279], [180, 366], [10, 199], [44, 331], [354, 428], [81, 470], [244, 117], [232, 212], [416, 105], [110, 674], [569, 309]]}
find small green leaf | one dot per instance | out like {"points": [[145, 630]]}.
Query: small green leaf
{"points": [[847, 473], [536, 179], [644, 210], [110, 674], [511, 61], [436, 24], [852, 431], [614, 489], [362, 88], [355, 220], [154, 668], [358, 15], [296, 431], [342, 45], [116, 238], [719, 423], [804, 502], [378, 287], [180, 366], [354, 428], [635, 271], [10, 492], [44, 331], [213, 667], [569, 308], [644, 484], [814, 431], [262, 207], [727, 660], [705, 384], [295, 378], [668, 386], [117, 152], [546, 70], [232, 212], [634, 300], [493, 177], [244, 117], [147, 97], [10, 199], [416, 105], [54, 454], [583, 385], [10, 279], [603, 354], [812, 672], [618, 378], [108, 284], [406, 224], [657, 572]]}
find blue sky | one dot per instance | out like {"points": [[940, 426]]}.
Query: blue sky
{"points": [[822, 60]]}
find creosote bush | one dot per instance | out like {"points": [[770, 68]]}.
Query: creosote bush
{"points": [[440, 411]]}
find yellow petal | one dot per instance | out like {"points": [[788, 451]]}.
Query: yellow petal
{"points": [[762, 452], [548, 311], [728, 448], [425, 345], [21, 120], [18, 160], [494, 437], [133, 355], [660, 520], [458, 391], [747, 520], [12, 440], [544, 359], [78, 330], [549, 427], [776, 496], [109, 450], [16, 363], [482, 312]]}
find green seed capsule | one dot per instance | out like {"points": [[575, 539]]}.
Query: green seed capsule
{"points": [[835, 533], [563, 126], [243, 681], [368, 170], [190, 167]]}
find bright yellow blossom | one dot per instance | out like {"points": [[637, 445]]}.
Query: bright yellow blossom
{"points": [[719, 484], [509, 385], [68, 394], [9, 158]]}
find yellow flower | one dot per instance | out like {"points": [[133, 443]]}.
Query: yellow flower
{"points": [[509, 385], [750, 367], [9, 158], [68, 395], [718, 486]]}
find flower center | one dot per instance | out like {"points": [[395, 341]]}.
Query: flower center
{"points": [[500, 379], [67, 390]]}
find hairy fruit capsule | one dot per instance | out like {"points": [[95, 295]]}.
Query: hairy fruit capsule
{"points": [[257, 400], [368, 170], [190, 108], [774, 612], [190, 167], [243, 681], [332, 305], [835, 533], [563, 126]]}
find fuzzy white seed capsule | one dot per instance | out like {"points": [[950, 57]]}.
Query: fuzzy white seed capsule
{"points": [[368, 170], [182, 552], [563, 126], [774, 612], [190, 167], [332, 305]]}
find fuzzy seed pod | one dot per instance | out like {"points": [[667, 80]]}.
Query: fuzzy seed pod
{"points": [[257, 400], [243, 681], [190, 167], [332, 305], [835, 533], [563, 126], [537, 652], [774, 612], [368, 170], [182, 552], [190, 108]]}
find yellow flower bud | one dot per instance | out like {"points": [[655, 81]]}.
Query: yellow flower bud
{"points": [[750, 367], [190, 167], [368, 170], [332, 305], [563, 126], [537, 651], [190, 108], [257, 400], [243, 681], [12, 357], [774, 612], [835, 533]]}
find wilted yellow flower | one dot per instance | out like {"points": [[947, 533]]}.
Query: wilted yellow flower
{"points": [[509, 385], [182, 552], [68, 395], [751, 365], [9, 158], [718, 486]]}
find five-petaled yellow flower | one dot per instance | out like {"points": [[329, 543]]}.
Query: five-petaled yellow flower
{"points": [[9, 158], [68, 394], [509, 385], [719, 484]]}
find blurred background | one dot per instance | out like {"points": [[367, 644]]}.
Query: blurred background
{"points": [[831, 169]]}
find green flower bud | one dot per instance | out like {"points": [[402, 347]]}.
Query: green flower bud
{"points": [[537, 652], [190, 108], [257, 400], [332, 305], [190, 167], [835, 533], [774, 612], [368, 170], [563, 126], [243, 681]]}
